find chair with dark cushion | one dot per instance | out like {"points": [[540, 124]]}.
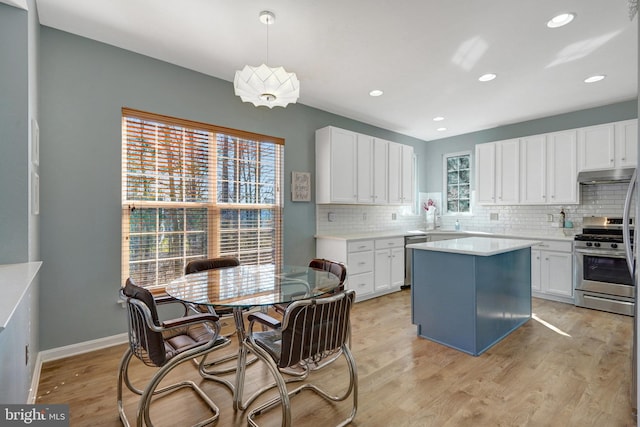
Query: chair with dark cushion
{"points": [[334, 267], [197, 266], [162, 345], [311, 331]]}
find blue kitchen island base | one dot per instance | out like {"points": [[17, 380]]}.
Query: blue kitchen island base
{"points": [[470, 302]]}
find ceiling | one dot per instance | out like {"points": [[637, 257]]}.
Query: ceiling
{"points": [[426, 55]]}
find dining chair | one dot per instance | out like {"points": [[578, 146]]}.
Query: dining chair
{"points": [[334, 267], [162, 345], [222, 312], [310, 332]]}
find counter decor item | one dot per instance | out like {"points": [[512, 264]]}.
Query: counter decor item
{"points": [[430, 209]]}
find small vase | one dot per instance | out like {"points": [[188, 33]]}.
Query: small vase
{"points": [[431, 219]]}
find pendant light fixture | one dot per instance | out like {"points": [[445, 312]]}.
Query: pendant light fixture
{"points": [[263, 85]]}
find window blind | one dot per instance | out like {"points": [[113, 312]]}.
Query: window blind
{"points": [[193, 190]]}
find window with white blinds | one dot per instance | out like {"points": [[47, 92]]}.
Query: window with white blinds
{"points": [[192, 190]]}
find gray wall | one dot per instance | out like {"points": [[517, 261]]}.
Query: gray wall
{"points": [[19, 45], [14, 133], [430, 161], [83, 86]]}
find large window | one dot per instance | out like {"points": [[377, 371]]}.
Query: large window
{"points": [[192, 190], [457, 181]]}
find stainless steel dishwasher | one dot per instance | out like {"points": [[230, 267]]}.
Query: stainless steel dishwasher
{"points": [[407, 256]]}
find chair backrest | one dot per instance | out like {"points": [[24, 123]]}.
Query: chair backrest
{"points": [[210, 264], [334, 267], [315, 328], [145, 343]]}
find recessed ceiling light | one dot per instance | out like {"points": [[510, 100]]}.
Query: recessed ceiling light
{"points": [[376, 92], [560, 20], [438, 119], [487, 77], [595, 78], [441, 129]]}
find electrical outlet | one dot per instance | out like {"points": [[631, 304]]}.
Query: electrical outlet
{"points": [[332, 216], [549, 217], [393, 216], [493, 216], [364, 216]]}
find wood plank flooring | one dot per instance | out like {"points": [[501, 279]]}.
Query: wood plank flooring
{"points": [[567, 366]]}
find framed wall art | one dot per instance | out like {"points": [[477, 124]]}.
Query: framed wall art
{"points": [[300, 186]]}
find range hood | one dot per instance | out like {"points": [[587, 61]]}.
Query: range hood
{"points": [[609, 176]]}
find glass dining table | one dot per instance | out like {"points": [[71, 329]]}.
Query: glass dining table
{"points": [[247, 286]]}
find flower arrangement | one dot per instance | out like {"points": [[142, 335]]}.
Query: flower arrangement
{"points": [[429, 205]]}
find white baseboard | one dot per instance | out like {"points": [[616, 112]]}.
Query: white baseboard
{"points": [[67, 351], [82, 347]]}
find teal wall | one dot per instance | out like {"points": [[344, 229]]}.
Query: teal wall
{"points": [[83, 86], [19, 46], [14, 135], [430, 160]]}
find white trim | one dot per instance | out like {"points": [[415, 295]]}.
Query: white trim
{"points": [[68, 351], [445, 202], [22, 4], [82, 347]]}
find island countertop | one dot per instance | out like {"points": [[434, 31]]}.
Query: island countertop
{"points": [[479, 246]]}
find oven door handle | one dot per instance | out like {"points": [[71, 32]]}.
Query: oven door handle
{"points": [[604, 253], [626, 228]]}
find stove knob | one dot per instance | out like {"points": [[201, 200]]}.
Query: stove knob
{"points": [[614, 246], [589, 244], [596, 244]]}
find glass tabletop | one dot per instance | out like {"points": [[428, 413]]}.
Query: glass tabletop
{"points": [[252, 285]]}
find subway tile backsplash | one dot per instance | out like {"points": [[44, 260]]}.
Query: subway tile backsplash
{"points": [[596, 200]]}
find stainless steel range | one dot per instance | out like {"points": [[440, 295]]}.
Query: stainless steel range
{"points": [[601, 273]]}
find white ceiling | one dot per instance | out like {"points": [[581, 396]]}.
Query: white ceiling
{"points": [[426, 55]]}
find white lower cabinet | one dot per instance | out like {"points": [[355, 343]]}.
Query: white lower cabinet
{"points": [[374, 266], [359, 264], [552, 270], [389, 264]]}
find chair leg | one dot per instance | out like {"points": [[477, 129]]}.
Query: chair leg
{"points": [[123, 376], [285, 396], [282, 399], [142, 415]]}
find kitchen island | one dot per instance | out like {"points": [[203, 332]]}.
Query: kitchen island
{"points": [[470, 293]]}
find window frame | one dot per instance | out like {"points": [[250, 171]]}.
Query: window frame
{"points": [[445, 183], [214, 207]]}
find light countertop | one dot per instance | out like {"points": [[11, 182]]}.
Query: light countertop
{"points": [[15, 279], [527, 234], [479, 246]]}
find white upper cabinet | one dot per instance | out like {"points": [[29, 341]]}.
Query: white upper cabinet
{"points": [[626, 143], [372, 170], [407, 175], [355, 168], [381, 171], [336, 166], [486, 173], [596, 147], [548, 169], [533, 182], [608, 146], [498, 172], [562, 172], [365, 169], [401, 185]]}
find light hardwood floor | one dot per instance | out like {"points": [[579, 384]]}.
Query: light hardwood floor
{"points": [[567, 366]]}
